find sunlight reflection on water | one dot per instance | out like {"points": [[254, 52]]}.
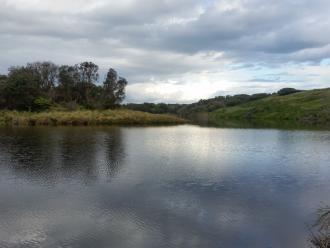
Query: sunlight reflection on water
{"points": [[183, 186]]}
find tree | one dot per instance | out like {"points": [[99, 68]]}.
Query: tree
{"points": [[38, 85], [120, 92], [88, 76], [3, 82], [114, 89], [47, 73], [21, 89], [68, 79], [88, 72], [96, 94]]}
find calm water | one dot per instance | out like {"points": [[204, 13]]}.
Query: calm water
{"points": [[183, 186]]}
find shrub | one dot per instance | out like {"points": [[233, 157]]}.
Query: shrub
{"points": [[287, 91], [258, 96], [41, 103]]}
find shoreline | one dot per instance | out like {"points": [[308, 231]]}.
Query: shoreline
{"points": [[87, 118]]}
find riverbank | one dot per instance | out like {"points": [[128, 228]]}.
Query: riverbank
{"points": [[86, 118]]}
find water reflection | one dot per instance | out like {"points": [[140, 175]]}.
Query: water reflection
{"points": [[253, 123], [160, 187], [49, 156]]}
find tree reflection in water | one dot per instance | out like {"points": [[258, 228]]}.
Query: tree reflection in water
{"points": [[53, 155]]}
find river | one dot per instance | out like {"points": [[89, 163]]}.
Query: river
{"points": [[178, 186]]}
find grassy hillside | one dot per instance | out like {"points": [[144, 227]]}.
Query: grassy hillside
{"points": [[308, 107], [86, 117]]}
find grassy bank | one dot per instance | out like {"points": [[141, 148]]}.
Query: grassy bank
{"points": [[86, 117], [305, 108]]}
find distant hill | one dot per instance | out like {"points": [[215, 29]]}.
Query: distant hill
{"points": [[310, 107], [189, 111], [288, 105]]}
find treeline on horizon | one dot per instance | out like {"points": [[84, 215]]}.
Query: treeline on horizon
{"points": [[40, 85], [204, 105]]}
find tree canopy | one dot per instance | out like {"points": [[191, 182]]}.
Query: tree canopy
{"points": [[38, 85], [287, 91]]}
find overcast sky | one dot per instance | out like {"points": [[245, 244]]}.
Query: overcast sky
{"points": [[176, 50]]}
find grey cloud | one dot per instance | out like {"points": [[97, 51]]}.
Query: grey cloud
{"points": [[167, 38], [284, 27], [267, 80]]}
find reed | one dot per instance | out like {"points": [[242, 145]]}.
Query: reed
{"points": [[86, 117]]}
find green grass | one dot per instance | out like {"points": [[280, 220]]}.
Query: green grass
{"points": [[86, 117], [307, 108]]}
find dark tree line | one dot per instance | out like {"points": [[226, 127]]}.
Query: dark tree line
{"points": [[205, 105], [39, 85]]}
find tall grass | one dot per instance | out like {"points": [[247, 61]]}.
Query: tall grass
{"points": [[86, 117]]}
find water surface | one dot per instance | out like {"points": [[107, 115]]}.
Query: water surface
{"points": [[183, 186]]}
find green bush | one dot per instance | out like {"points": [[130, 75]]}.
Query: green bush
{"points": [[287, 91], [41, 103]]}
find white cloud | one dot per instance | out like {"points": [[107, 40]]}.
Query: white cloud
{"points": [[155, 42]]}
